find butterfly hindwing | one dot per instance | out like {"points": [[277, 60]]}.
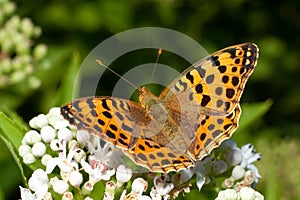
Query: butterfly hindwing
{"points": [[151, 155], [212, 132]]}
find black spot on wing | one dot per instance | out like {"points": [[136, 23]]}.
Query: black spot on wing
{"points": [[107, 114], [205, 100], [190, 77], [199, 88], [202, 136], [104, 104], [110, 134]]}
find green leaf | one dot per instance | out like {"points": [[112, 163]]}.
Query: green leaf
{"points": [[11, 133], [98, 190], [252, 112]]}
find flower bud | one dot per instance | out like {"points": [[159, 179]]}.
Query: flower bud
{"points": [[123, 174], [40, 51], [28, 158], [79, 155], [38, 179], [219, 167], [24, 149], [60, 186], [110, 187], [67, 196], [34, 82], [238, 172], [247, 193], [27, 27], [83, 136], [75, 178], [8, 8], [227, 194], [228, 183], [139, 185], [87, 187], [65, 134], [39, 149], [48, 134], [41, 121], [31, 137], [232, 157]]}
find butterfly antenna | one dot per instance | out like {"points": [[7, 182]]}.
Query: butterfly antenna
{"points": [[124, 79], [156, 61]]}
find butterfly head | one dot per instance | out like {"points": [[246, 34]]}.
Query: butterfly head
{"points": [[146, 98]]}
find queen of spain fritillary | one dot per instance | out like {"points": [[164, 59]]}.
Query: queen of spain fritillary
{"points": [[190, 118]]}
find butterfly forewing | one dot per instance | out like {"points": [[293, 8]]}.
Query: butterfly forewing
{"points": [[115, 120], [215, 83]]}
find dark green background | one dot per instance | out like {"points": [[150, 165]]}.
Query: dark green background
{"points": [[273, 25]]}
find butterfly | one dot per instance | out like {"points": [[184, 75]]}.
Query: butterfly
{"points": [[191, 117]]}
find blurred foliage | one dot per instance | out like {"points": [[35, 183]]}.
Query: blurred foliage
{"points": [[80, 25]]}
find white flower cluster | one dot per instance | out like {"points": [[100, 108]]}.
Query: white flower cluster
{"points": [[18, 57], [56, 145], [246, 193], [231, 158], [244, 173], [68, 163]]}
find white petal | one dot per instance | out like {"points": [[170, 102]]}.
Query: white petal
{"points": [[26, 194], [86, 167], [144, 197], [106, 176], [200, 179], [186, 174], [167, 189], [52, 163], [255, 170]]}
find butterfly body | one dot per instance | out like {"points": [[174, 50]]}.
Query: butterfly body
{"points": [[190, 118]]}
